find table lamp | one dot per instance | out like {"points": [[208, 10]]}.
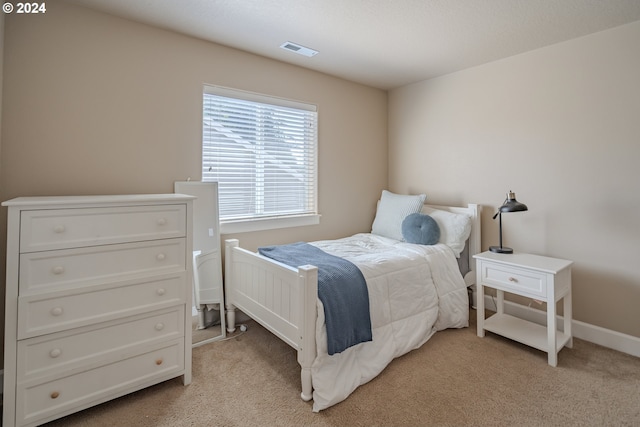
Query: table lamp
{"points": [[510, 205]]}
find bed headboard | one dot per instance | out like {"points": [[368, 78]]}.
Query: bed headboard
{"points": [[473, 243]]}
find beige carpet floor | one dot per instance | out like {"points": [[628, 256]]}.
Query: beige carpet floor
{"points": [[455, 379]]}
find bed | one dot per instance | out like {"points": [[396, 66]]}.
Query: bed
{"points": [[414, 291]]}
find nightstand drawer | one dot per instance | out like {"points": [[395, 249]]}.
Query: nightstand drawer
{"points": [[517, 280]]}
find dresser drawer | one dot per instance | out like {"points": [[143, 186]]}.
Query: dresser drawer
{"points": [[47, 313], [513, 279], [50, 354], [72, 268], [71, 228], [35, 401]]}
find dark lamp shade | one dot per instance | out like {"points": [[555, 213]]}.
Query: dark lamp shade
{"points": [[512, 205]]}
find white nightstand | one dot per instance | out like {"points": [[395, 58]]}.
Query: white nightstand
{"points": [[540, 278]]}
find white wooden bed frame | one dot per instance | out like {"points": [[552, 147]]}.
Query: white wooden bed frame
{"points": [[284, 299]]}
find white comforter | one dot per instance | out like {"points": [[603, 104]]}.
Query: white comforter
{"points": [[414, 291]]}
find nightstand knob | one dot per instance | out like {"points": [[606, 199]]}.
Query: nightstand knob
{"points": [[513, 279], [56, 352], [160, 291], [59, 229], [55, 394], [158, 361], [58, 269], [57, 311], [159, 326], [162, 221], [161, 257]]}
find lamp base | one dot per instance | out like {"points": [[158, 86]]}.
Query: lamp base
{"points": [[501, 249]]}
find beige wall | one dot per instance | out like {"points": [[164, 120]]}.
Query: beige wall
{"points": [[560, 126], [3, 212], [99, 105], [94, 104]]}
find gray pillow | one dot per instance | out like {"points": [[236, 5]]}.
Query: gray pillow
{"points": [[421, 229], [392, 210]]}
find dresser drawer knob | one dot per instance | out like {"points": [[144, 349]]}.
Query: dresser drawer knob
{"points": [[55, 394], [158, 361], [57, 311], [56, 352], [159, 326], [161, 291], [58, 269], [162, 221], [513, 280], [161, 257], [59, 229]]}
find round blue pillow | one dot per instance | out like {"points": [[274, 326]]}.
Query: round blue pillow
{"points": [[421, 229]]}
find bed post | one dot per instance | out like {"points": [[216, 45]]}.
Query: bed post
{"points": [[308, 279], [475, 237], [474, 248], [229, 282]]}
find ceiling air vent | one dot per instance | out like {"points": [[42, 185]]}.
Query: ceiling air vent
{"points": [[293, 47]]}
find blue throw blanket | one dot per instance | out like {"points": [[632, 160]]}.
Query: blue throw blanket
{"points": [[341, 288]]}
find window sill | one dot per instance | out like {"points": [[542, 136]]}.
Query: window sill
{"points": [[248, 226]]}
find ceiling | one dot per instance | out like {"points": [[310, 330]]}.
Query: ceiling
{"points": [[380, 43]]}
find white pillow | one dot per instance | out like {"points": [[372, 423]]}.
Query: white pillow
{"points": [[392, 210], [455, 228]]}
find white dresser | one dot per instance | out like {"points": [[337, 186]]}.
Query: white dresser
{"points": [[98, 300]]}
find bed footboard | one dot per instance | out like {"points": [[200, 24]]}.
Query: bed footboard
{"points": [[281, 298]]}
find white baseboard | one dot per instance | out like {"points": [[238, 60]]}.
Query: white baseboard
{"points": [[585, 331]]}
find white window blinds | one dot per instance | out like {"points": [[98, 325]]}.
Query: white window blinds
{"points": [[263, 153]]}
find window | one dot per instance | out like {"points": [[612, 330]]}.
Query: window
{"points": [[263, 153]]}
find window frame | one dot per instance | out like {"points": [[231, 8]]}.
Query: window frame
{"points": [[250, 224]]}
